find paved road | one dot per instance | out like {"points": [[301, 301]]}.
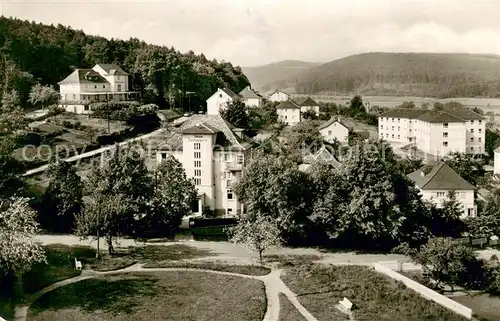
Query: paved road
{"points": [[93, 153]]}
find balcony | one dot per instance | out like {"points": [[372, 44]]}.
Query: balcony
{"points": [[234, 166]]}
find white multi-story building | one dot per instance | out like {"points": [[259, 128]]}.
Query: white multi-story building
{"points": [[213, 153], [288, 112], [250, 97], [435, 132], [279, 95], [436, 181], [104, 82], [220, 99]]}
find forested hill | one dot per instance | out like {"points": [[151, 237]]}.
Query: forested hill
{"points": [[31, 52], [412, 74]]}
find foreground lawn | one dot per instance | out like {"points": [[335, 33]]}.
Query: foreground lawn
{"points": [[375, 297], [240, 269], [173, 296], [486, 307], [288, 312]]}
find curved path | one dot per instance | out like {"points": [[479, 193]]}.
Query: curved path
{"points": [[272, 282]]}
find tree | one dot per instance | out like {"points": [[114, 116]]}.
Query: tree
{"points": [[12, 116], [356, 105], [445, 261], [43, 96], [470, 169], [257, 234], [303, 138], [173, 195], [18, 227], [63, 198], [309, 114], [11, 182], [407, 105], [236, 113], [446, 220], [491, 141], [487, 222]]}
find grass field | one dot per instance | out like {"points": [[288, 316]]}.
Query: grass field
{"points": [[288, 312], [240, 269], [485, 306], [375, 297], [173, 296]]}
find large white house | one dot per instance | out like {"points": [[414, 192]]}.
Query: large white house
{"points": [[288, 112], [309, 105], [220, 99], [250, 97], [104, 82], [213, 153], [437, 180], [435, 132], [334, 129], [279, 95]]}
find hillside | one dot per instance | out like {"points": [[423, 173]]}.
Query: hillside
{"points": [[274, 72], [32, 52], [402, 74]]}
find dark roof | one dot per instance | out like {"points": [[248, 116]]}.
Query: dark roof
{"points": [[404, 113], [112, 69], [331, 121], [439, 177], [309, 102], [448, 114], [289, 104], [323, 155], [279, 91], [230, 93], [248, 92], [201, 128], [79, 76]]}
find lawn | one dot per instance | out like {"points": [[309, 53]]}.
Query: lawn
{"points": [[288, 312], [487, 307], [375, 296], [240, 269], [173, 296]]}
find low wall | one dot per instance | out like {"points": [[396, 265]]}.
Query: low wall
{"points": [[425, 291]]}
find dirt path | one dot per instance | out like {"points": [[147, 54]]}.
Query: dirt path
{"points": [[272, 282]]}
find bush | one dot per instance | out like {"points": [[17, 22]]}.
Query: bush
{"points": [[115, 110]]}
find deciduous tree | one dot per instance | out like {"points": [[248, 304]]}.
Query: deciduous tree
{"points": [[236, 113], [43, 96], [470, 169]]}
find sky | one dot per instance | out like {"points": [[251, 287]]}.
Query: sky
{"points": [[257, 32]]}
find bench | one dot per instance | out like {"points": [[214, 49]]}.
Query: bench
{"points": [[78, 264]]}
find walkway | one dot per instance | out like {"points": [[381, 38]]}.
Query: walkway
{"points": [[272, 282]]}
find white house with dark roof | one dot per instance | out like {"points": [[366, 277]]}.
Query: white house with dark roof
{"points": [[250, 97], [213, 153], [437, 180], [435, 132], [288, 113], [279, 95], [334, 129], [104, 82], [309, 104], [220, 99]]}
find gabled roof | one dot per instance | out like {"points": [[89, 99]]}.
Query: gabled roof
{"points": [[448, 114], [439, 177], [79, 76], [201, 128], [309, 102], [230, 93], [279, 91], [112, 69], [463, 112], [289, 104], [322, 155], [331, 121], [438, 116], [248, 92], [207, 124], [404, 113]]}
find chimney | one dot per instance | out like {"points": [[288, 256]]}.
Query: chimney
{"points": [[238, 132]]}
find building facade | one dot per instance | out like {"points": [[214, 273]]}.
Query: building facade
{"points": [[219, 100], [250, 97], [288, 113], [279, 96], [436, 181], [213, 153], [102, 83], [334, 129], [436, 132]]}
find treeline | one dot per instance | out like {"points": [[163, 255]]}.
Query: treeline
{"points": [[409, 74], [32, 52]]}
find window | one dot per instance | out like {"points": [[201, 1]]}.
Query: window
{"points": [[197, 172], [445, 134], [398, 128], [74, 96], [197, 181], [479, 139], [239, 159], [197, 163], [330, 132], [440, 194], [197, 145], [86, 107], [398, 136], [103, 86], [286, 116], [392, 119], [472, 149], [386, 135], [479, 122], [229, 211], [462, 195], [392, 127], [445, 125], [398, 120], [472, 139], [392, 135], [472, 122], [472, 131], [410, 130], [229, 194], [220, 95], [470, 211], [480, 130], [197, 155], [445, 144], [226, 157], [164, 155]]}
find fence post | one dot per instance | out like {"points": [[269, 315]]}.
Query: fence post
{"points": [[400, 266]]}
